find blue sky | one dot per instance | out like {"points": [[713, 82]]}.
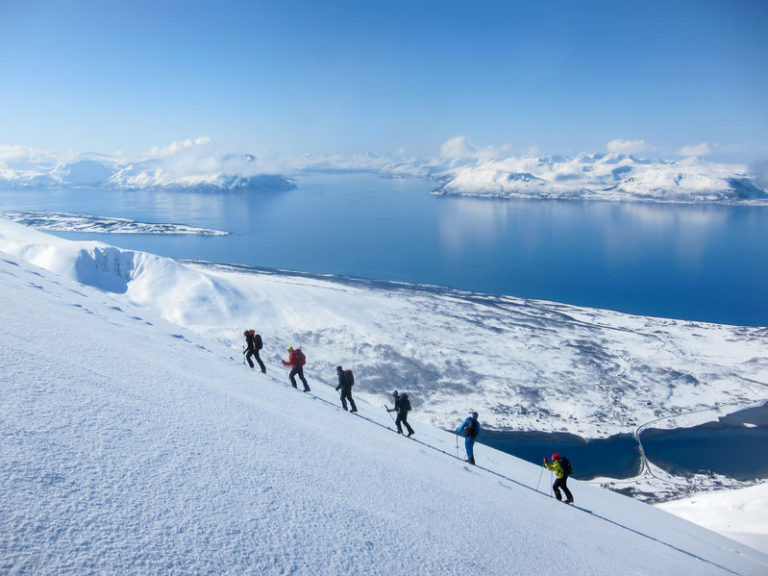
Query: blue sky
{"points": [[330, 77]]}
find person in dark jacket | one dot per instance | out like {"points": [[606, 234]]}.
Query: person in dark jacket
{"points": [[345, 386], [470, 428], [296, 361], [252, 346], [402, 406], [560, 478]]}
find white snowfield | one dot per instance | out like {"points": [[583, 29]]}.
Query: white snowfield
{"points": [[738, 514], [132, 445]]}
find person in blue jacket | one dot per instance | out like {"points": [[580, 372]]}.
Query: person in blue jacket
{"points": [[470, 428]]}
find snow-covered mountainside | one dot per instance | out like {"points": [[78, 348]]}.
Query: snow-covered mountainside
{"points": [[603, 177], [132, 445], [526, 365], [232, 173]]}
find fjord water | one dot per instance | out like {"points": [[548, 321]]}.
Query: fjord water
{"points": [[696, 262]]}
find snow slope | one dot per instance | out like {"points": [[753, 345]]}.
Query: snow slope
{"points": [[131, 445], [738, 514], [505, 357]]}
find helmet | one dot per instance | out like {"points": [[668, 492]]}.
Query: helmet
{"points": [[474, 415], [395, 394], [555, 456], [290, 348], [338, 368]]}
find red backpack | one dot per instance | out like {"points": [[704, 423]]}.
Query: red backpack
{"points": [[300, 358]]}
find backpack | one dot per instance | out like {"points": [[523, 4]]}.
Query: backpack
{"points": [[257, 343], [349, 377], [405, 404], [470, 430], [565, 464], [300, 358]]}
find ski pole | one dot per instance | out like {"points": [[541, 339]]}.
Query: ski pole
{"points": [[390, 415], [540, 475], [457, 445]]}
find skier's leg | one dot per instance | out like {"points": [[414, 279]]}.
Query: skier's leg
{"points": [[248, 358], [292, 376], [261, 364], [556, 488], [300, 371], [352, 402], [398, 420], [568, 495], [408, 426]]}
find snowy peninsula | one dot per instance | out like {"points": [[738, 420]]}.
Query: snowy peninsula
{"points": [[66, 222]]}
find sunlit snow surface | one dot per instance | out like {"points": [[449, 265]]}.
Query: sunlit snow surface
{"points": [[134, 445]]}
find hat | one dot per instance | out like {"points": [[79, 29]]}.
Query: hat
{"points": [[474, 414], [395, 394], [555, 456], [290, 348], [338, 368]]}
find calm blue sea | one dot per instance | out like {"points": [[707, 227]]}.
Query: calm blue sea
{"points": [[706, 263]]}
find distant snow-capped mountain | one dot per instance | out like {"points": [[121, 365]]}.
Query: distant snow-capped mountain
{"points": [[230, 173], [194, 166]]}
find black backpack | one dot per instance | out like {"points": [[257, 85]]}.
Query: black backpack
{"points": [[565, 464], [349, 377], [257, 343], [470, 430], [405, 404]]}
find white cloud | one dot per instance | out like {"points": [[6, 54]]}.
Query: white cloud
{"points": [[626, 146], [21, 154], [759, 170], [702, 149], [458, 147], [176, 147], [532, 152]]}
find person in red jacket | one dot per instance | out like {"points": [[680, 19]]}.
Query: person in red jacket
{"points": [[296, 361]]}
